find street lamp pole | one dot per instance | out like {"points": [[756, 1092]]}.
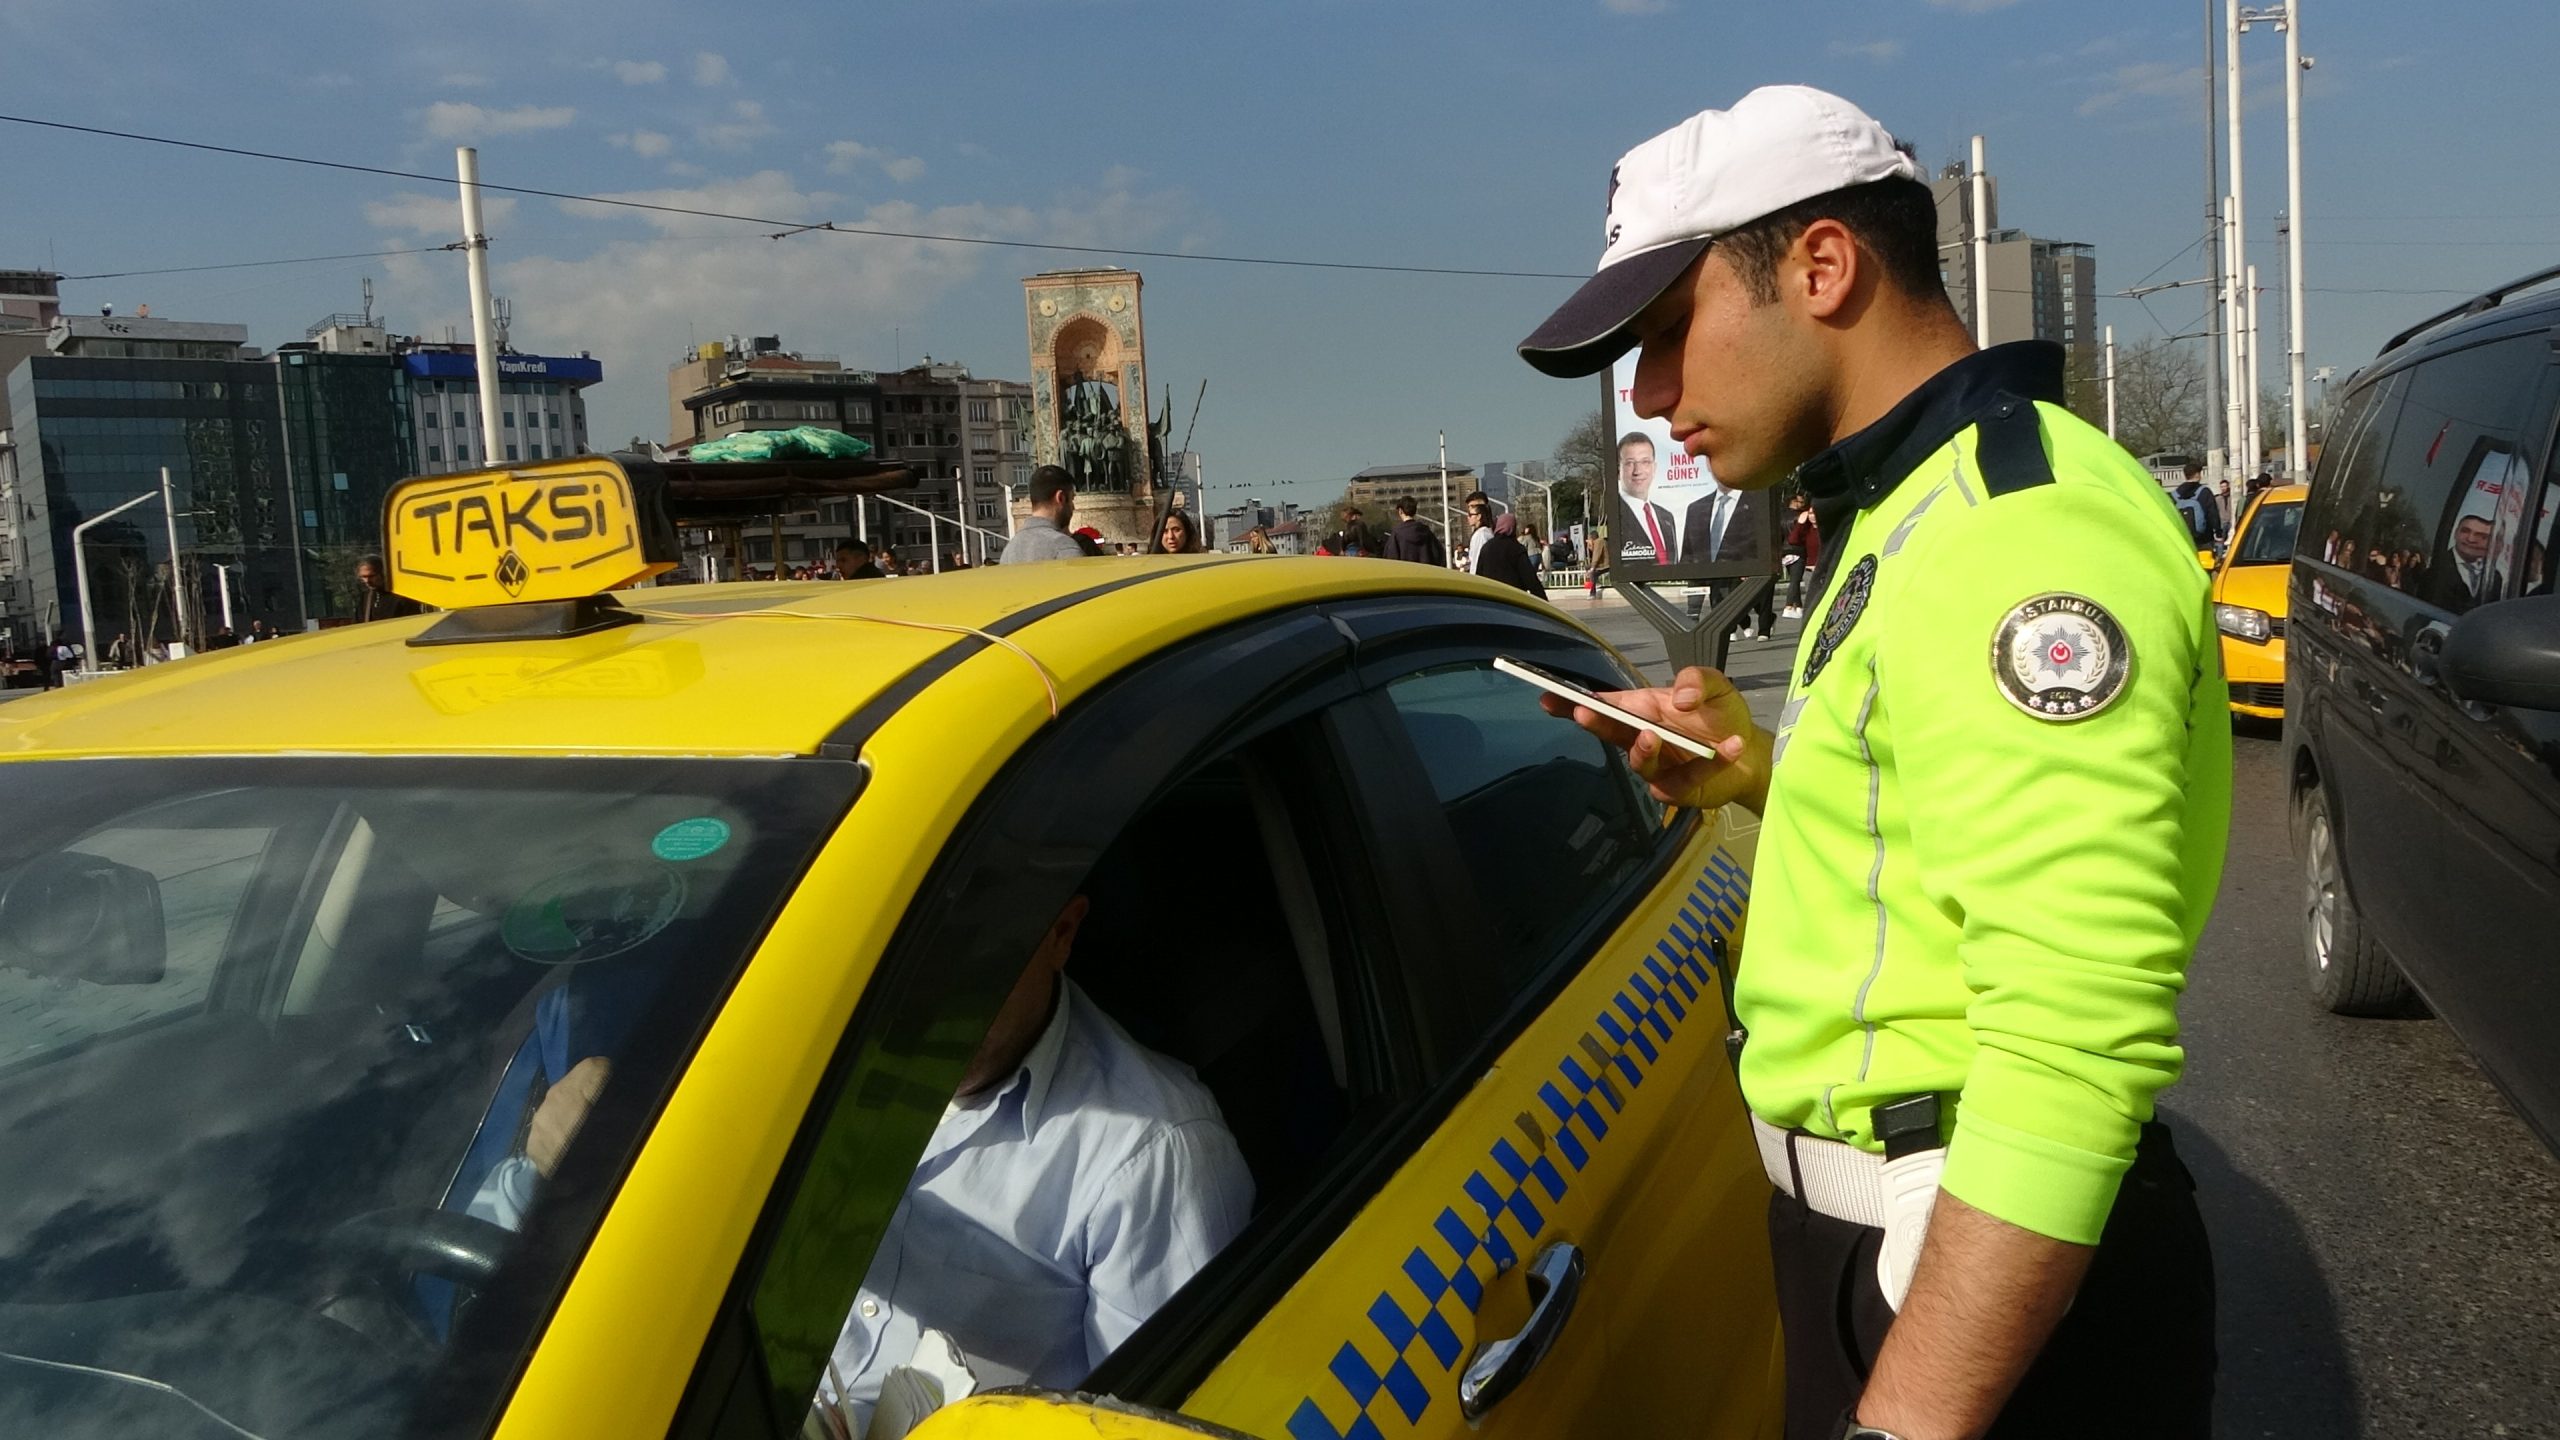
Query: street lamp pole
{"points": [[80, 573]]}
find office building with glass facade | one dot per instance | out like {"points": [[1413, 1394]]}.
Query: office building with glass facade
{"points": [[94, 430], [348, 440]]}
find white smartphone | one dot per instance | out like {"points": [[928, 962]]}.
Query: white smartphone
{"points": [[1555, 684]]}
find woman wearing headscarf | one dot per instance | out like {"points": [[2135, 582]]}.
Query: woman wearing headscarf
{"points": [[1504, 559]]}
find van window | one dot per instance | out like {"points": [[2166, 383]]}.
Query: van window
{"points": [[2346, 485], [2425, 532]]}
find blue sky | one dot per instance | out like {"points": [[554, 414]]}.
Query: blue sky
{"points": [[1412, 132]]}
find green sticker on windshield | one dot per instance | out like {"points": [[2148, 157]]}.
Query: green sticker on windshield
{"points": [[690, 839]]}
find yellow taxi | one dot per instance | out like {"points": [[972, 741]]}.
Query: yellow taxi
{"points": [[2249, 600], [547, 1017]]}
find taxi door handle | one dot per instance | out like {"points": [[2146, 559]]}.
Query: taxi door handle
{"points": [[1555, 1283]]}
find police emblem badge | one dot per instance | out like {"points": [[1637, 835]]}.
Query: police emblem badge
{"points": [[1842, 617], [2061, 657]]}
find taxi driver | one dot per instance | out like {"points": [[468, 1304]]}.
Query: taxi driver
{"points": [[1077, 1181]]}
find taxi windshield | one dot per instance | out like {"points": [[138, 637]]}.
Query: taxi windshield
{"points": [[2269, 538], [318, 1073]]}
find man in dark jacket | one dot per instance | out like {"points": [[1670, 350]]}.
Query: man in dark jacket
{"points": [[374, 597], [1503, 558], [1413, 540]]}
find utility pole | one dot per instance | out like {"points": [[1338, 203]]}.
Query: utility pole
{"points": [[2244, 377], [2111, 382], [2235, 409], [2257, 421], [2297, 436], [2215, 437], [177, 580], [1981, 249], [2292, 392], [1448, 537], [484, 350]]}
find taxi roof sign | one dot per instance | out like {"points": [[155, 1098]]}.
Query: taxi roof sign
{"points": [[551, 530]]}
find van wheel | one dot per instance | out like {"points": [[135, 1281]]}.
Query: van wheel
{"points": [[2350, 972]]}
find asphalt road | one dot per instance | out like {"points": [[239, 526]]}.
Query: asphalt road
{"points": [[2386, 1233]]}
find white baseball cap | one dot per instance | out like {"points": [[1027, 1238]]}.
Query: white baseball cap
{"points": [[1718, 170]]}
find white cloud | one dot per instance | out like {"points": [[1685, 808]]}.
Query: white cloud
{"points": [[746, 124], [710, 69], [456, 120], [972, 149], [648, 144], [329, 80], [633, 299], [1973, 7], [436, 217], [465, 80], [1635, 7], [2143, 80], [639, 72], [843, 156], [1881, 52]]}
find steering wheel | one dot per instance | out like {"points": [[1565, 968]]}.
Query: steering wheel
{"points": [[424, 1240], [382, 1249]]}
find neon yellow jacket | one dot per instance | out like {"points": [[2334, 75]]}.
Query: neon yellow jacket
{"points": [[2003, 786]]}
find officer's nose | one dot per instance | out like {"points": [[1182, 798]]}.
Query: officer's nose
{"points": [[1657, 387]]}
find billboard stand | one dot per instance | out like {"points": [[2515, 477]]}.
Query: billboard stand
{"points": [[1673, 523], [1701, 639]]}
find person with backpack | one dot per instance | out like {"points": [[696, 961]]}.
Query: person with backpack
{"points": [[2196, 507]]}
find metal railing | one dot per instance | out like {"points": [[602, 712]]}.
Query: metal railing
{"points": [[933, 531]]}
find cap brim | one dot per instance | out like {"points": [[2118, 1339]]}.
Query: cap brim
{"points": [[1589, 331]]}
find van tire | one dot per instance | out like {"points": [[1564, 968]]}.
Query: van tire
{"points": [[2350, 972]]}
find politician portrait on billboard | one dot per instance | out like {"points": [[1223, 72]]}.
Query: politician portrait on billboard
{"points": [[1673, 520]]}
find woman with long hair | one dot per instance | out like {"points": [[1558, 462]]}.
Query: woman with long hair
{"points": [[1258, 542], [1175, 535]]}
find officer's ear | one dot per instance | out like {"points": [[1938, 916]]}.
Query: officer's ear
{"points": [[1825, 268]]}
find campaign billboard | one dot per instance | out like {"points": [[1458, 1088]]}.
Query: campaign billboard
{"points": [[1669, 517]]}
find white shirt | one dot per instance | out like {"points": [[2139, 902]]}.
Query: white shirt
{"points": [[1051, 1215], [1475, 546]]}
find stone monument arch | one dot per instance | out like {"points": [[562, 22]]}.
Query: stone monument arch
{"points": [[1089, 394]]}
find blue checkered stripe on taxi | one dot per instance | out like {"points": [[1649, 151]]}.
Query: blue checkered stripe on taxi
{"points": [[1405, 1353]]}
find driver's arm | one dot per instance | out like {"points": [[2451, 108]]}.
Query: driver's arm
{"points": [[505, 1196]]}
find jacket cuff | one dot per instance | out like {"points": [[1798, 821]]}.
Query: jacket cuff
{"points": [[2032, 1181]]}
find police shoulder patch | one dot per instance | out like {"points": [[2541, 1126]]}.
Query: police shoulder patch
{"points": [[1842, 617], [2061, 656]]}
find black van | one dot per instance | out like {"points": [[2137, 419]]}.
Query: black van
{"points": [[2422, 719]]}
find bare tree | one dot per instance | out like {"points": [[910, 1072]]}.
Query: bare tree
{"points": [[2159, 398], [1581, 458]]}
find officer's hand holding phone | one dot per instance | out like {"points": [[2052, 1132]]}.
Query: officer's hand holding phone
{"points": [[1703, 705]]}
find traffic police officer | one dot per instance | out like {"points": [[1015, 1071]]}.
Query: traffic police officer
{"points": [[1994, 808]]}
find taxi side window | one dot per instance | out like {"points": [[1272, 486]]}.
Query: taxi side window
{"points": [[1550, 825], [1208, 1050]]}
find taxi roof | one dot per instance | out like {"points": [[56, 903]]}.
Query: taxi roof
{"points": [[770, 668]]}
